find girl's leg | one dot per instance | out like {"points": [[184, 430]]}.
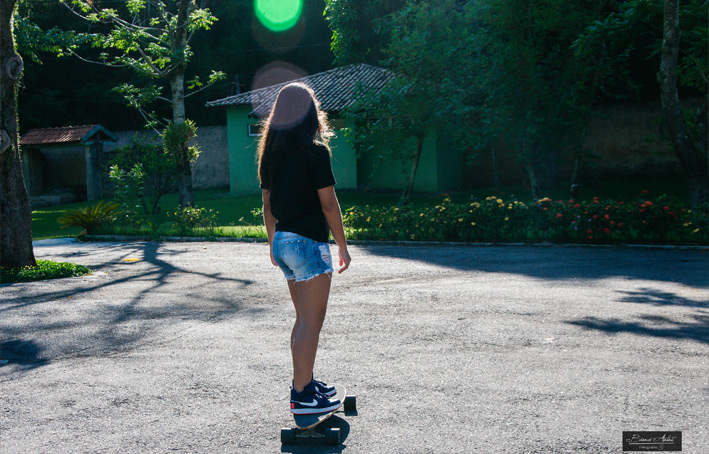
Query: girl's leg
{"points": [[294, 297], [311, 306]]}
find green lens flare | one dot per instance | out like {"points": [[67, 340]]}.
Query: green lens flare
{"points": [[278, 15]]}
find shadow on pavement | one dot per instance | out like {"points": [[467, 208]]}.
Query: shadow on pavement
{"points": [[562, 262], [125, 320], [318, 446], [696, 328], [26, 354]]}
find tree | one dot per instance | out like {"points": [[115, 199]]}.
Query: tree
{"points": [[425, 42], [691, 151], [152, 38], [359, 28], [683, 61], [537, 91], [15, 213]]}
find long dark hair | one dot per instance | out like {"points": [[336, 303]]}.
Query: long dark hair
{"points": [[294, 124]]}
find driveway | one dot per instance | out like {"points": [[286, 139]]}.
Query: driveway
{"points": [[183, 347]]}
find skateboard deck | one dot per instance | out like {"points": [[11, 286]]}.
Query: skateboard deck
{"points": [[305, 424]]}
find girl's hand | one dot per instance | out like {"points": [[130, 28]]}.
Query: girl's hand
{"points": [[345, 259], [272, 259]]}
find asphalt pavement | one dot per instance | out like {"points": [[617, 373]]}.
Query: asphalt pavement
{"points": [[183, 347]]}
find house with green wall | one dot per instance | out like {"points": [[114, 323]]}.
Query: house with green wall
{"points": [[335, 89]]}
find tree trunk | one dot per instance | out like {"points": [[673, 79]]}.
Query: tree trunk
{"points": [[495, 171], [184, 166], [414, 167], [177, 85], [692, 156], [15, 213]]}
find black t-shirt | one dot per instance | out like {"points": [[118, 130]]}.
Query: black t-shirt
{"points": [[294, 192]]}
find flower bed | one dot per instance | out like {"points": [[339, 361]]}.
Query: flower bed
{"points": [[651, 221]]}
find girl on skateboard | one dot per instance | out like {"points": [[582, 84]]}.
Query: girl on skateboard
{"points": [[300, 209]]}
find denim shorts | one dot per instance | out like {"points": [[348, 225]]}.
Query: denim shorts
{"points": [[301, 258]]}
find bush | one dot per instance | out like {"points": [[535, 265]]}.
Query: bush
{"points": [[142, 174], [661, 220], [45, 269], [90, 218], [188, 220]]}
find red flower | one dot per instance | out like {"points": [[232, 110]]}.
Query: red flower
{"points": [[595, 216], [612, 222], [590, 237], [558, 215], [589, 230], [607, 230], [606, 217], [644, 191], [578, 205], [545, 208], [620, 225], [666, 208]]}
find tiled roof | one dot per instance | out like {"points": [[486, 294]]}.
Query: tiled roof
{"points": [[67, 134], [334, 89]]}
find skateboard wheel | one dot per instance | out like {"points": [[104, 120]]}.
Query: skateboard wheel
{"points": [[332, 436], [350, 403], [288, 436]]}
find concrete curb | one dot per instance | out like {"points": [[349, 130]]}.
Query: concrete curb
{"points": [[128, 238]]}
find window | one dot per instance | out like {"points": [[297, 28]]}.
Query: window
{"points": [[254, 129]]}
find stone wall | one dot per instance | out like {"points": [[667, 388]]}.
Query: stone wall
{"points": [[211, 170], [622, 141]]}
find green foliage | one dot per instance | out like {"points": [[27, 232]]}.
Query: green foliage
{"points": [[153, 42], [158, 169], [189, 219], [359, 28], [91, 218], [610, 40], [661, 220], [175, 138], [45, 269], [429, 55], [32, 41]]}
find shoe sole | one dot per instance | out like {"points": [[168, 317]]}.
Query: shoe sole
{"points": [[315, 411]]}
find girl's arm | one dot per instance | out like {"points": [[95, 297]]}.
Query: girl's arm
{"points": [[333, 215], [269, 220]]}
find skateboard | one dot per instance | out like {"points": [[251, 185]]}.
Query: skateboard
{"points": [[305, 425]]}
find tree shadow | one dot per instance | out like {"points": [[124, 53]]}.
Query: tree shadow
{"points": [[22, 353], [119, 325], [317, 446], [561, 262], [693, 326]]}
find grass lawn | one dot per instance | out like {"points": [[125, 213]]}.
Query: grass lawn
{"points": [[235, 216]]}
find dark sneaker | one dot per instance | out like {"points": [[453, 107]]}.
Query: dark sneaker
{"points": [[310, 401], [324, 388]]}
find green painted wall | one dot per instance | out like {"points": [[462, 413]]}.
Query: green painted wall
{"points": [[386, 173], [243, 168], [439, 170], [243, 161]]}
